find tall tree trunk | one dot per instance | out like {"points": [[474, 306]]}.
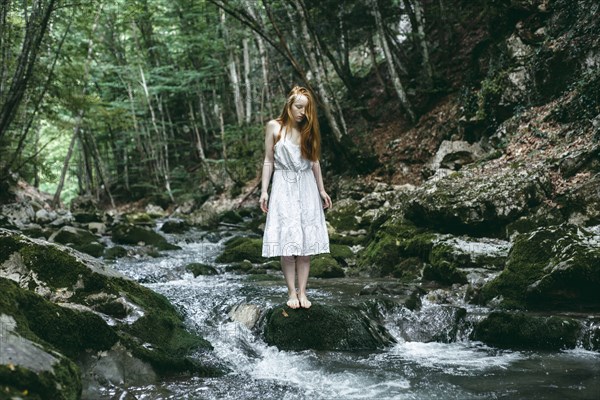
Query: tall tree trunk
{"points": [[400, 92], [35, 29], [419, 14], [316, 67], [247, 85], [81, 112]]}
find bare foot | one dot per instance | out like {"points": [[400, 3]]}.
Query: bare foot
{"points": [[304, 303], [293, 302]]}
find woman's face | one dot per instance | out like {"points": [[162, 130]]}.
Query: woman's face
{"points": [[298, 109]]}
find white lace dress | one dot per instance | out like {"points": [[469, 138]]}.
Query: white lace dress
{"points": [[295, 221]]}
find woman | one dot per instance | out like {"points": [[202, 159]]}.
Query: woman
{"points": [[295, 228]]}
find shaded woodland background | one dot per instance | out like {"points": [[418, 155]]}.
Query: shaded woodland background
{"points": [[166, 100]]}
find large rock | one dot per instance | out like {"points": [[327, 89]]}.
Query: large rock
{"points": [[454, 155], [241, 248], [138, 235], [551, 267], [324, 327], [395, 249], [26, 365], [79, 239], [478, 203], [73, 303], [523, 331]]}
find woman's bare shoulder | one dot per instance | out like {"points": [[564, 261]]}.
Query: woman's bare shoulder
{"points": [[273, 124]]}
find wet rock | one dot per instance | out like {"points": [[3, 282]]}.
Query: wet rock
{"points": [[551, 267], [472, 203], [324, 327], [444, 273], [523, 331], [112, 253], [174, 226], [325, 266], [115, 367], [201, 269], [138, 235], [242, 248], [31, 366], [79, 239], [85, 209], [245, 314], [75, 303]]}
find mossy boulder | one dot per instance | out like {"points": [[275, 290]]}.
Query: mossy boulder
{"points": [[242, 248], [79, 239], [466, 252], [325, 266], [201, 269], [347, 216], [175, 226], [324, 327], [137, 235], [139, 218], [112, 253], [74, 303], [523, 331], [26, 365], [394, 241], [554, 267], [479, 203]]}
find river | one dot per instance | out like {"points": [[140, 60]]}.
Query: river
{"points": [[410, 369]]}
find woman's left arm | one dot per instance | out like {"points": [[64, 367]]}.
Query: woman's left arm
{"points": [[316, 168]]}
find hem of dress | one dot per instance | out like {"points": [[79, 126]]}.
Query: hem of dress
{"points": [[288, 255]]}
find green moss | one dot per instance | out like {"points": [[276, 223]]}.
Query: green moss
{"points": [[93, 249], [240, 266], [344, 218], [339, 251], [325, 266], [242, 248], [393, 242], [522, 331], [54, 266], [201, 269], [63, 383], [9, 245], [133, 235], [115, 252], [442, 268], [347, 240], [139, 218]]}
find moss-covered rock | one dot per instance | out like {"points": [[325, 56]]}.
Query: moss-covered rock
{"points": [[324, 327], [27, 366], [471, 202], [325, 266], [79, 296], [175, 226], [522, 331], [201, 269], [135, 235], [112, 253], [139, 218], [394, 241], [79, 239], [242, 248], [552, 267]]}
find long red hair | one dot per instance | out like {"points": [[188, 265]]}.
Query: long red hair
{"points": [[310, 136]]}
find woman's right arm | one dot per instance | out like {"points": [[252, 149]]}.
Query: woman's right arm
{"points": [[268, 165]]}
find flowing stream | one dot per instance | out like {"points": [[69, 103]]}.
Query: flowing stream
{"points": [[410, 369]]}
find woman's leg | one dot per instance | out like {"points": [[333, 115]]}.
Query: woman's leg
{"points": [[303, 268], [288, 265]]}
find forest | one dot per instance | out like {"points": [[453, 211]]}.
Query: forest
{"points": [[460, 145]]}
